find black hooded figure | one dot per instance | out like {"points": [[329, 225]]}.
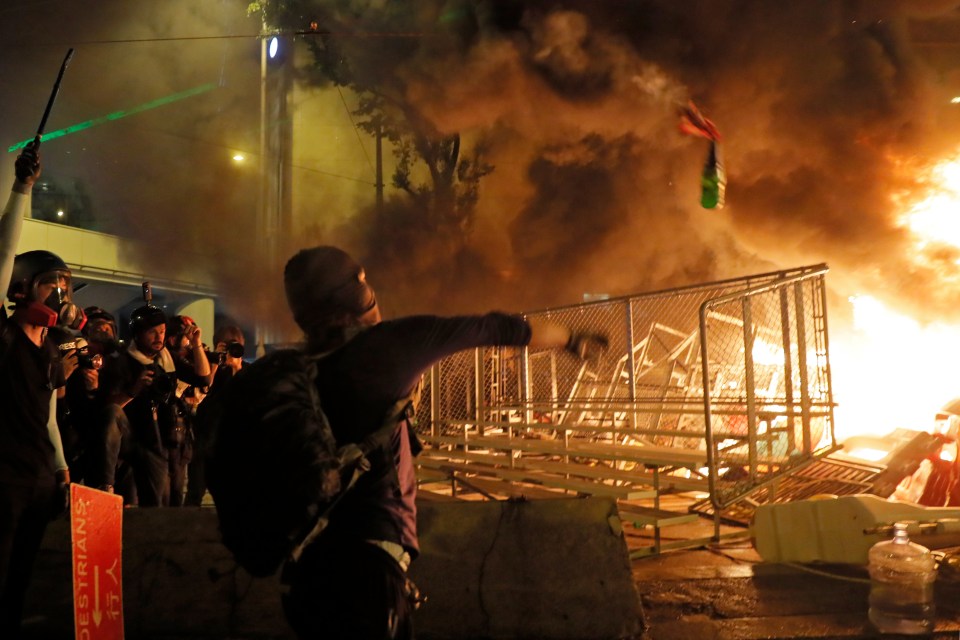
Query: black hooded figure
{"points": [[351, 581]]}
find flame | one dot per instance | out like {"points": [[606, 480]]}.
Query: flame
{"points": [[949, 453], [871, 455], [890, 371], [934, 219]]}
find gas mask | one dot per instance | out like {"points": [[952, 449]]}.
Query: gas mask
{"points": [[57, 307]]}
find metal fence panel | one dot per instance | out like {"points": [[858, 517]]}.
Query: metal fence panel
{"points": [[724, 385]]}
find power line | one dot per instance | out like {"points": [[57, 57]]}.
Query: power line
{"points": [[344, 34], [355, 129], [133, 40]]}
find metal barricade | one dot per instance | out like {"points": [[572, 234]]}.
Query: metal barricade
{"points": [[721, 387]]}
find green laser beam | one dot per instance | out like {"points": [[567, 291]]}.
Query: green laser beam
{"points": [[116, 115]]}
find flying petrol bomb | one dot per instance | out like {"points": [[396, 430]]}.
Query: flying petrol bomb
{"points": [[713, 179]]}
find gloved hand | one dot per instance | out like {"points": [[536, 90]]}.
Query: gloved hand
{"points": [[586, 345], [27, 165], [69, 362]]}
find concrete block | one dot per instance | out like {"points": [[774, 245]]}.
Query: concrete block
{"points": [[546, 569], [550, 569]]}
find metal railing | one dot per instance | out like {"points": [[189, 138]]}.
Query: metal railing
{"points": [[722, 387]]}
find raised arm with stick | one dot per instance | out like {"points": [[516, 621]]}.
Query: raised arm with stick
{"points": [[53, 98]]}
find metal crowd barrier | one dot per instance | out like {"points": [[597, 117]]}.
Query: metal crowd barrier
{"points": [[721, 387]]}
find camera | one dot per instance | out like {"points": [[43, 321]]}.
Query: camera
{"points": [[233, 349], [164, 383], [85, 359]]}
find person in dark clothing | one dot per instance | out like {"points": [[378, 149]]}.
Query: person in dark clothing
{"points": [[182, 334], [76, 409], [139, 409], [33, 472], [351, 582], [228, 344], [101, 331]]}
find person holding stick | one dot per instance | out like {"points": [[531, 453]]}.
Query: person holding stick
{"points": [[33, 469], [34, 479]]}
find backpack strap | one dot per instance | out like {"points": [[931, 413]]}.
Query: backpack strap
{"points": [[354, 457]]}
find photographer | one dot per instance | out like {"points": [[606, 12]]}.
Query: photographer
{"points": [[183, 336], [74, 398], [229, 348], [101, 331], [76, 410], [139, 413]]}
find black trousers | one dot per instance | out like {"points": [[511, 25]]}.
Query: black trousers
{"points": [[347, 591], [24, 514], [152, 477], [178, 458], [196, 480]]}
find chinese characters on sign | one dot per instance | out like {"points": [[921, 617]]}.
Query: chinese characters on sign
{"points": [[96, 526]]}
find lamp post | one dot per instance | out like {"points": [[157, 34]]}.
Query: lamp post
{"points": [[276, 153]]}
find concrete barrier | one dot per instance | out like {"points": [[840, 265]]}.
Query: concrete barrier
{"points": [[551, 569]]}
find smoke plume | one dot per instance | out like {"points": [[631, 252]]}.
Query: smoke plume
{"points": [[824, 107], [828, 109]]}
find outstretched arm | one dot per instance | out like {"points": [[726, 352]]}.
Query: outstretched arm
{"points": [[11, 220], [401, 350], [546, 334]]}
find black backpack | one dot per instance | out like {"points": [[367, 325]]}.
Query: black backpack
{"points": [[273, 467]]}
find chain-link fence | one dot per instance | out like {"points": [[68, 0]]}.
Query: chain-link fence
{"points": [[721, 387]]}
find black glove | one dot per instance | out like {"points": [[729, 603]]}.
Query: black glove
{"points": [[27, 165], [587, 346]]}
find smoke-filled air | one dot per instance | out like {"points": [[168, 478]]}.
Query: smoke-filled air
{"points": [[829, 114], [829, 111], [558, 164]]}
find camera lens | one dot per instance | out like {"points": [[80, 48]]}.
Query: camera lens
{"points": [[235, 349]]}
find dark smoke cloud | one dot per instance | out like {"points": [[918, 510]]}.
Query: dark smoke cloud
{"points": [[827, 108], [822, 105]]}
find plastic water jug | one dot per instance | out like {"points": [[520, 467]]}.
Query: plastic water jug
{"points": [[902, 574]]}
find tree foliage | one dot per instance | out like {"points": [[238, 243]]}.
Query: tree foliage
{"points": [[365, 50]]}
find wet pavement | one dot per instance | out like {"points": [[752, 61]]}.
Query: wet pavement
{"points": [[725, 591], [716, 591]]}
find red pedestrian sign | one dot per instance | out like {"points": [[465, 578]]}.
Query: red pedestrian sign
{"points": [[96, 526]]}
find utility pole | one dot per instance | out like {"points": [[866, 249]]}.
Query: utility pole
{"points": [[379, 166], [276, 154]]}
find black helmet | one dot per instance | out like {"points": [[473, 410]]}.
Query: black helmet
{"points": [[99, 313], [95, 315], [27, 267], [31, 271], [146, 317]]}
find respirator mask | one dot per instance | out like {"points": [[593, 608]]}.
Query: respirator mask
{"points": [[57, 307]]}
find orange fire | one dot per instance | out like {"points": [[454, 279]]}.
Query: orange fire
{"points": [[891, 371]]}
